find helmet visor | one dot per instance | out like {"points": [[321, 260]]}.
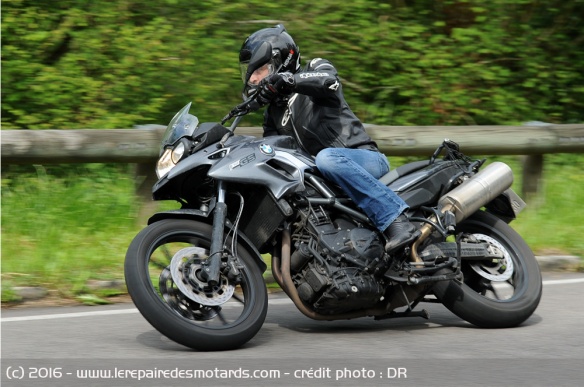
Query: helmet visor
{"points": [[259, 74], [255, 78]]}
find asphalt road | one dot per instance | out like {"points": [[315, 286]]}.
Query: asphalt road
{"points": [[63, 346]]}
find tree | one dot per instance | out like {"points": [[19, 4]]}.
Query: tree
{"points": [[103, 64]]}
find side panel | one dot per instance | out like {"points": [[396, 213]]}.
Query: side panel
{"points": [[410, 180], [267, 162], [425, 186]]}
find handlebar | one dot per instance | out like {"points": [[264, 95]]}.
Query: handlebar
{"points": [[242, 109], [247, 106]]}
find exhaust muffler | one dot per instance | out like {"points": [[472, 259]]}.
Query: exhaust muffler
{"points": [[477, 191], [469, 197]]}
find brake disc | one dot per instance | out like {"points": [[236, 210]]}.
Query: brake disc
{"points": [[185, 268], [498, 271]]}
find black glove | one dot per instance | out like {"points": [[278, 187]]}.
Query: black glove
{"points": [[274, 85]]}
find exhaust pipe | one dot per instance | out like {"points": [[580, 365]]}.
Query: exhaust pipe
{"points": [[477, 191], [469, 197]]}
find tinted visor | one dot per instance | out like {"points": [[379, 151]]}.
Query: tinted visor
{"points": [[255, 78]]}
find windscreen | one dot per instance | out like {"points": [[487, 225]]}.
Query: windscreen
{"points": [[182, 124]]}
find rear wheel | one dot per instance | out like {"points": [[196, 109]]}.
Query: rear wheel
{"points": [[494, 294], [162, 270]]}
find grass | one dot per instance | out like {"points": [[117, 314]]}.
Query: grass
{"points": [[552, 222], [65, 225]]}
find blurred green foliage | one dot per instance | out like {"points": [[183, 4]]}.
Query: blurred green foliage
{"points": [[115, 64]]}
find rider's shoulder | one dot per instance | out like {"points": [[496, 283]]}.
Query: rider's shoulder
{"points": [[317, 64]]}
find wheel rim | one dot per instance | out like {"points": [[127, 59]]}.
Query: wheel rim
{"points": [[500, 280], [172, 263], [498, 271], [186, 267]]}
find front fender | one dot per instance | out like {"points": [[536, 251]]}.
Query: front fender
{"points": [[181, 214], [203, 216]]}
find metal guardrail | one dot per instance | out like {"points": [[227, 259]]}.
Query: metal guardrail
{"points": [[141, 145]]}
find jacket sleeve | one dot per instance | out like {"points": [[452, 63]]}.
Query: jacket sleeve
{"points": [[268, 125], [318, 80]]}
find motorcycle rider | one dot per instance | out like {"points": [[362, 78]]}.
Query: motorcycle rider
{"points": [[309, 105]]}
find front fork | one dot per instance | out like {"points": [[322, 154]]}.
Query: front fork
{"points": [[212, 266]]}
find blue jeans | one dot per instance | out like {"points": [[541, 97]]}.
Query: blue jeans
{"points": [[357, 172]]}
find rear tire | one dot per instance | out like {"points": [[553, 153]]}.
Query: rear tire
{"points": [[489, 299], [203, 326]]}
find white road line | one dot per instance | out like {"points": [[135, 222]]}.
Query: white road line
{"points": [[277, 301], [563, 282], [70, 315]]}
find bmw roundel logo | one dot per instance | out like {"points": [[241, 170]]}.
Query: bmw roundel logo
{"points": [[266, 149]]}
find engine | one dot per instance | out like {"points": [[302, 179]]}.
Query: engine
{"points": [[334, 262]]}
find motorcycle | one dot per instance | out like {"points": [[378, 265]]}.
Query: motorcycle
{"points": [[196, 273]]}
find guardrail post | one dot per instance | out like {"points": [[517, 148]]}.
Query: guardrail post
{"points": [[533, 167], [145, 178], [532, 175]]}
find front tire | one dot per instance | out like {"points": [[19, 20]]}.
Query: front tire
{"points": [[494, 295], [234, 312]]}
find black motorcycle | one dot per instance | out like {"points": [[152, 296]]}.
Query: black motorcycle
{"points": [[196, 273]]}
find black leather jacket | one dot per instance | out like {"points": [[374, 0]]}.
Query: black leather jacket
{"points": [[316, 113]]}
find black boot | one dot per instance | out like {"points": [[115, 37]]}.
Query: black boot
{"points": [[400, 233]]}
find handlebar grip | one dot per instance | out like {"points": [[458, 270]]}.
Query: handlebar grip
{"points": [[249, 105], [254, 105]]}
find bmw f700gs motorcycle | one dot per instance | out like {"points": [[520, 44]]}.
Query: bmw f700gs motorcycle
{"points": [[195, 273]]}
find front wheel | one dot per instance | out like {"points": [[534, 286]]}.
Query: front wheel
{"points": [[497, 294], [162, 270]]}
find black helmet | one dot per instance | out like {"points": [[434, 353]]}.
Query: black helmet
{"points": [[272, 46]]}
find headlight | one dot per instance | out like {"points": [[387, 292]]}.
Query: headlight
{"points": [[170, 158], [178, 152], [164, 164]]}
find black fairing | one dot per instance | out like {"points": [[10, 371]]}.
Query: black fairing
{"points": [[426, 185], [208, 133]]}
